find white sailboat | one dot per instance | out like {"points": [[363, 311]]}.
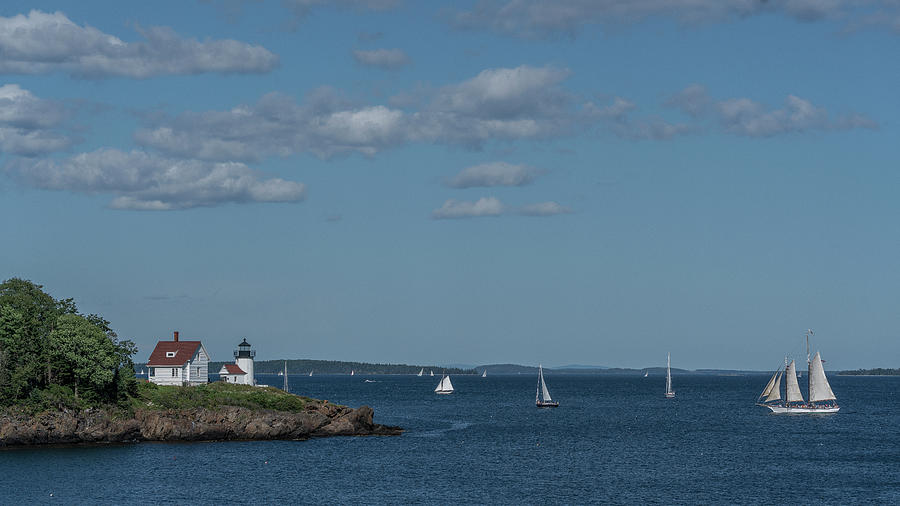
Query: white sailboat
{"points": [[669, 392], [542, 397], [310, 373], [431, 373], [420, 372], [444, 387], [352, 372], [484, 373], [821, 398], [646, 373]]}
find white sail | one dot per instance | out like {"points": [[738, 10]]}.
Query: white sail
{"points": [[819, 389], [775, 393], [766, 391], [793, 388], [420, 372], [484, 373], [544, 391], [669, 391], [431, 373]]}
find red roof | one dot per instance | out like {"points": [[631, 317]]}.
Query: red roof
{"points": [[184, 350], [233, 369]]}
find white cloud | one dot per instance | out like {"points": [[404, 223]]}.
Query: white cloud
{"points": [[384, 58], [29, 126], [41, 42], [547, 18], [549, 208], [144, 181], [460, 209], [493, 174], [303, 7]]}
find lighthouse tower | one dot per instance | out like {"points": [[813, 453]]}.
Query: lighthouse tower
{"points": [[243, 357]]}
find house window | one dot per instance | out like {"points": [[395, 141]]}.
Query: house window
{"points": [[152, 371], [174, 372], [170, 354]]}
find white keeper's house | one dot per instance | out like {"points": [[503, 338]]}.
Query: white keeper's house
{"points": [[179, 363]]}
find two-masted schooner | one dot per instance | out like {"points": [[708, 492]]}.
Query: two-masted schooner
{"points": [[821, 398], [444, 387]]}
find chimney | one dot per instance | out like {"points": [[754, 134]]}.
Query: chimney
{"points": [[176, 336]]}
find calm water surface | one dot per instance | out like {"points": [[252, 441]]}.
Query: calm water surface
{"points": [[614, 439]]}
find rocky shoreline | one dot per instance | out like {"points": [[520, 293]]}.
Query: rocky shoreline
{"points": [[226, 423]]}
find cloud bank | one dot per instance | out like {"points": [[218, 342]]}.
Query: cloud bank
{"points": [[39, 43], [143, 181], [550, 18]]}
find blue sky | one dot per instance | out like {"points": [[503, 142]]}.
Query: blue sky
{"points": [[495, 181]]}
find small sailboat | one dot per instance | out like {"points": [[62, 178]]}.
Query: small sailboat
{"points": [[352, 372], [143, 372], [310, 373], [444, 387], [484, 373], [431, 373], [821, 398], [669, 392], [542, 397], [420, 372], [281, 373], [646, 373]]}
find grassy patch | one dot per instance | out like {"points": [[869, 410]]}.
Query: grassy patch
{"points": [[217, 394]]}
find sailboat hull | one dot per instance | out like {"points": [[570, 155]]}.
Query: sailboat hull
{"points": [[670, 395], [443, 392], [547, 404], [802, 410]]}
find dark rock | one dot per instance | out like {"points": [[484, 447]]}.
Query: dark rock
{"points": [[225, 423]]}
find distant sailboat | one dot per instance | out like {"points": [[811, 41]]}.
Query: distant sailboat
{"points": [[352, 372], [420, 372], [542, 397], [821, 398], [484, 373], [310, 373], [646, 373], [143, 372], [431, 373], [444, 387], [669, 392]]}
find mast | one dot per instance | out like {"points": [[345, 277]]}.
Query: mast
{"points": [[537, 393]]}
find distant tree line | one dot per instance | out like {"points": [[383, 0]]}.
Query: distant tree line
{"points": [[52, 356], [872, 372], [300, 366]]}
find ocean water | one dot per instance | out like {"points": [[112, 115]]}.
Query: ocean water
{"points": [[614, 439]]}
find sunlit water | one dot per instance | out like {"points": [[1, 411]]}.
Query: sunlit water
{"points": [[614, 439]]}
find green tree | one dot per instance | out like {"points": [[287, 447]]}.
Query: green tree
{"points": [[47, 349], [83, 355]]}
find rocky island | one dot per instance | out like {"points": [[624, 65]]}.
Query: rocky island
{"points": [[216, 412], [66, 378]]}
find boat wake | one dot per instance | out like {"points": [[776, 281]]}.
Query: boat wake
{"points": [[440, 432]]}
